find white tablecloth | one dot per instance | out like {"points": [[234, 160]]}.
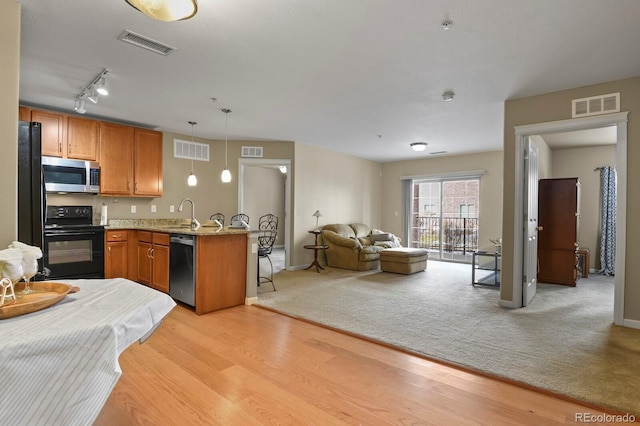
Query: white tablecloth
{"points": [[59, 365]]}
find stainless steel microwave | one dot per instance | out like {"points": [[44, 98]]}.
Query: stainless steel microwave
{"points": [[67, 175]]}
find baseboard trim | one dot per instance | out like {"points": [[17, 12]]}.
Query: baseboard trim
{"points": [[250, 300], [631, 323], [506, 304]]}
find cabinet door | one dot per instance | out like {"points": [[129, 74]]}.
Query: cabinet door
{"points": [[160, 268], [144, 263], [116, 260], [116, 155], [148, 163], [52, 135], [82, 138]]}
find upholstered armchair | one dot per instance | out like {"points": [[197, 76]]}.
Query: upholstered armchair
{"points": [[350, 247]]}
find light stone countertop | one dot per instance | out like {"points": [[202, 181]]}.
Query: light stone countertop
{"points": [[172, 226]]}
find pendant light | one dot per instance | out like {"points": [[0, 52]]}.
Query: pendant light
{"points": [[226, 174], [192, 180]]}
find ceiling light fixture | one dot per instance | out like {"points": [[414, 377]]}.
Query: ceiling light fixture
{"points": [[92, 91], [79, 107], [166, 10], [446, 24], [418, 146], [226, 174], [192, 180], [448, 95]]}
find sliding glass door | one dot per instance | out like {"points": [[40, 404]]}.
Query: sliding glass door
{"points": [[444, 217]]}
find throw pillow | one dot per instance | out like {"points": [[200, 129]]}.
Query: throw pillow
{"points": [[381, 237]]}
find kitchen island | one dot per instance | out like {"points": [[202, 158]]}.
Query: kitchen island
{"points": [[225, 259]]}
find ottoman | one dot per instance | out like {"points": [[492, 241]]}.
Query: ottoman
{"points": [[403, 260]]}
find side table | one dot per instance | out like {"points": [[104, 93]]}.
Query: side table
{"points": [[315, 247]]}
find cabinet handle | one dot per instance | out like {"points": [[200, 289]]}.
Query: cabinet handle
{"points": [[60, 147], [136, 186], [128, 185], [109, 250], [68, 148], [151, 256]]}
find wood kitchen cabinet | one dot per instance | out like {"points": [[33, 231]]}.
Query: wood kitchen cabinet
{"points": [[66, 136], [221, 265], [52, 132], [24, 113], [558, 219], [153, 260], [116, 254], [130, 161], [147, 161], [82, 138]]}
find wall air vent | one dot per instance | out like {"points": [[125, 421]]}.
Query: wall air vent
{"points": [[252, 151], [603, 104], [190, 150], [145, 42]]}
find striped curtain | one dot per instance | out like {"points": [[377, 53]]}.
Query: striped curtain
{"points": [[607, 220]]}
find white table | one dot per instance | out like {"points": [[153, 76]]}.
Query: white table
{"points": [[58, 366]]}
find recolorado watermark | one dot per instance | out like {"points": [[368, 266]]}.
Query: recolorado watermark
{"points": [[604, 418]]}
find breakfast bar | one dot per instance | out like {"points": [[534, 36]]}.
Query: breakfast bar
{"points": [[60, 364]]}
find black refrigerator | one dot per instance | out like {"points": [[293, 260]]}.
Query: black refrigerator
{"points": [[31, 191]]}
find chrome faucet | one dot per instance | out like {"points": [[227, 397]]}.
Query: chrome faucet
{"points": [[194, 222]]}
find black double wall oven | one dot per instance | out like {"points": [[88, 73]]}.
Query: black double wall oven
{"points": [[73, 247]]}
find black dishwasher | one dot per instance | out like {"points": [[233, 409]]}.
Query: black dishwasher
{"points": [[182, 268]]}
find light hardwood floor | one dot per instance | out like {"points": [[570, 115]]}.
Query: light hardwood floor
{"points": [[247, 365]]}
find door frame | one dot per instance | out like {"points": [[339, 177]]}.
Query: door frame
{"points": [[522, 133], [253, 162]]}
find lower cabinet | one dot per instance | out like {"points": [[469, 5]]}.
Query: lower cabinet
{"points": [[116, 254], [153, 260]]}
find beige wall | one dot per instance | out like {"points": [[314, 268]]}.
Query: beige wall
{"points": [[581, 163], [209, 196], [557, 106], [345, 189], [9, 85], [490, 189]]}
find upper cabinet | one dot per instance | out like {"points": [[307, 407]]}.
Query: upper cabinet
{"points": [[147, 163], [66, 136], [116, 159], [130, 161], [82, 138], [52, 132]]}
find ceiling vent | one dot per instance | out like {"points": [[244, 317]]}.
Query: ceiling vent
{"points": [[603, 104], [190, 150], [252, 151], [145, 42]]}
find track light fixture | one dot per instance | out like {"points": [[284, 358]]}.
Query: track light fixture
{"points": [[93, 91]]}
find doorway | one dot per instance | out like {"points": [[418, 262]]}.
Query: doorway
{"points": [[281, 167], [523, 133]]}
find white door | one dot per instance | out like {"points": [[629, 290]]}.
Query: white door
{"points": [[530, 258]]}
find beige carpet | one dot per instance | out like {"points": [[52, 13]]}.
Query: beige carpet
{"points": [[564, 341]]}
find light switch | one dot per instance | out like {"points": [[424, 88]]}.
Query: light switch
{"points": [[254, 248], [153, 208], [133, 209], [172, 209]]}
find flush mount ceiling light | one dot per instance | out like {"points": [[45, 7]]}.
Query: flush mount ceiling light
{"points": [[166, 10], [446, 24], [192, 180], [418, 146], [92, 91], [226, 174], [447, 96]]}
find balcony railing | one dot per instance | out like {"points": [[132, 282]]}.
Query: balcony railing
{"points": [[459, 235]]}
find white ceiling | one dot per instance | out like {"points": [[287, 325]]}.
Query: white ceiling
{"points": [[361, 77]]}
